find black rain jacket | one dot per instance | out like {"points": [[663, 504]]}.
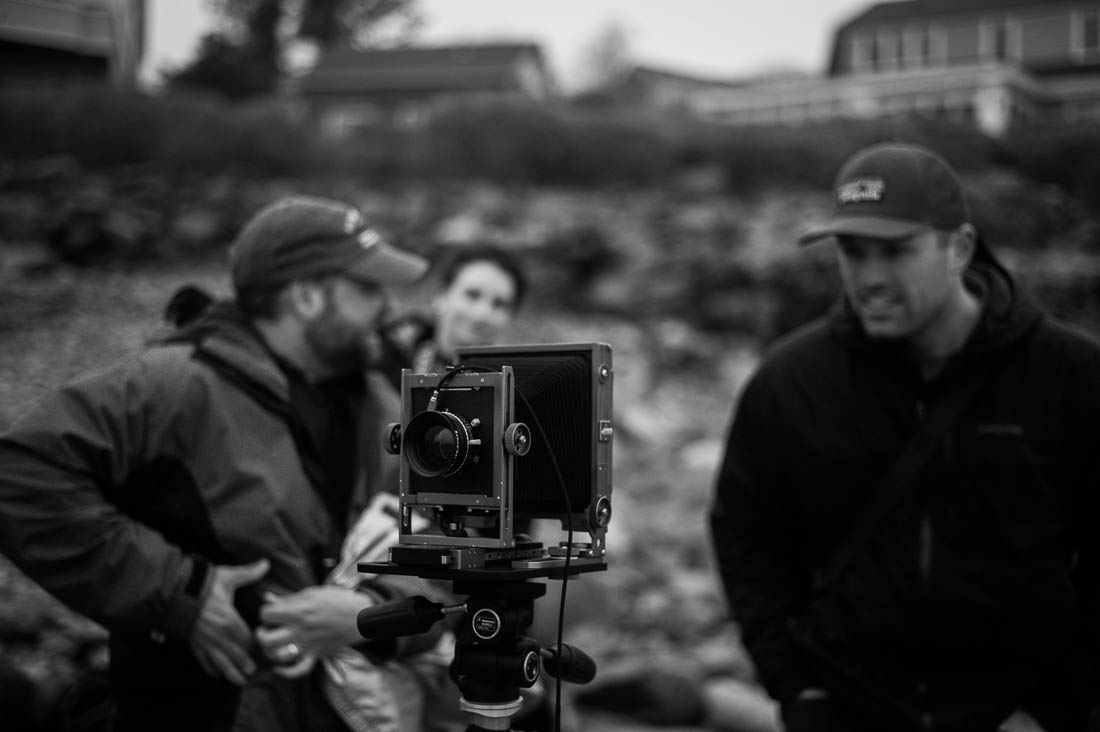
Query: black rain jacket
{"points": [[980, 592]]}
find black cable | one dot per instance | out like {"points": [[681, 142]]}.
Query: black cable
{"points": [[568, 509], [450, 375], [568, 552]]}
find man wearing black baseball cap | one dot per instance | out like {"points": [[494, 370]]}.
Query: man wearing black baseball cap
{"points": [[319, 260], [165, 497], [903, 517]]}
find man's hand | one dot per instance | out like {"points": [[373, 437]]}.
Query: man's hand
{"points": [[810, 711], [220, 639], [318, 620], [1020, 721]]}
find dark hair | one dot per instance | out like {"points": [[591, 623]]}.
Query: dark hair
{"points": [[486, 253], [259, 302], [187, 305]]}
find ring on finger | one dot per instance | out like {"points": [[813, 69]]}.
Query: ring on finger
{"points": [[289, 653]]}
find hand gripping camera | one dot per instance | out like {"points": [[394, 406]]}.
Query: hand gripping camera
{"points": [[511, 434]]}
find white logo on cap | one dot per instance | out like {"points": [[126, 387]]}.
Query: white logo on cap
{"points": [[352, 221], [861, 191], [369, 238]]}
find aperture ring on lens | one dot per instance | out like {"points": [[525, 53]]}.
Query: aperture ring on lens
{"points": [[462, 443], [445, 460]]}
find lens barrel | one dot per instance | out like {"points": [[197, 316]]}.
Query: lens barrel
{"points": [[437, 444]]}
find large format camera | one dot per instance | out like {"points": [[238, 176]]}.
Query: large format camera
{"points": [[508, 436], [511, 434]]}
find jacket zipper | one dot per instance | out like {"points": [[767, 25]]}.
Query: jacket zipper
{"points": [[925, 538], [925, 543]]}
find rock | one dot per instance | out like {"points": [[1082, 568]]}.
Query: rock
{"points": [[703, 456], [661, 690], [722, 654], [23, 215], [196, 227], [17, 694], [735, 706]]}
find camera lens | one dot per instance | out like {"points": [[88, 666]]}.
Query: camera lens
{"points": [[437, 444]]}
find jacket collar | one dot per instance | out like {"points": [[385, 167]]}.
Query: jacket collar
{"points": [[225, 334], [1007, 317]]}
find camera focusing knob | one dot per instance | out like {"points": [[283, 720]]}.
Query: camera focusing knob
{"points": [[517, 439]]}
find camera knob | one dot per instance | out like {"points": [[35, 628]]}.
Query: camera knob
{"points": [[603, 512], [517, 439], [391, 438]]}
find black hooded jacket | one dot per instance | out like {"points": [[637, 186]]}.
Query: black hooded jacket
{"points": [[979, 593]]}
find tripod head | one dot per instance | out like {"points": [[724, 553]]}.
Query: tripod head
{"points": [[493, 658]]}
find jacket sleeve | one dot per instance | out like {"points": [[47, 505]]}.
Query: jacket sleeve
{"points": [[383, 407], [755, 545], [63, 464], [1084, 404]]}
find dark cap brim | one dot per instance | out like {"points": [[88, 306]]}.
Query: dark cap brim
{"points": [[383, 264], [874, 227]]}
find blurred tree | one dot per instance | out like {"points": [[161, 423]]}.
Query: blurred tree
{"points": [[249, 55], [230, 69], [606, 60]]}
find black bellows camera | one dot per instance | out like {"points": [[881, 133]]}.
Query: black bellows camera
{"points": [[511, 434]]}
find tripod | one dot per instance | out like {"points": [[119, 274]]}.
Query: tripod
{"points": [[493, 659]]}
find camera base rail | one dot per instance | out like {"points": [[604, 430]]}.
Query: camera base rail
{"points": [[550, 569], [525, 555], [463, 557]]}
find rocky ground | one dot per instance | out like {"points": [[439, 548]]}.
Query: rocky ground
{"points": [[654, 621]]}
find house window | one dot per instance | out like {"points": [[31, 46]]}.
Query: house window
{"points": [[410, 115], [913, 50], [936, 44], [887, 51], [1086, 33], [863, 52], [341, 121], [999, 40]]}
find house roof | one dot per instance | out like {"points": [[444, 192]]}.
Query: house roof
{"points": [[645, 74], [78, 28], [923, 10], [435, 68]]}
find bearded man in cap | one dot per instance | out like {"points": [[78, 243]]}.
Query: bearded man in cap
{"points": [[167, 497], [904, 519]]}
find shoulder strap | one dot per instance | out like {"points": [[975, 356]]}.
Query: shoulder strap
{"points": [[903, 472], [307, 453]]}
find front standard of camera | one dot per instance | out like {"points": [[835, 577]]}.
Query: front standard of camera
{"points": [[511, 434]]}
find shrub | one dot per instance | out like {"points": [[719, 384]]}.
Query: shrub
{"points": [[102, 127], [610, 149], [95, 125], [811, 154], [524, 142], [205, 135], [506, 142], [1066, 155]]}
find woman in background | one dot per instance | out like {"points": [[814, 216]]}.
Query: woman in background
{"points": [[482, 288]]}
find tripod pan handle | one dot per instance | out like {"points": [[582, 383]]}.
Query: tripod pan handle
{"points": [[569, 663]]}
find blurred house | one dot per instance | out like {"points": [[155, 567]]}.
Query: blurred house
{"points": [[661, 88], [994, 63], [64, 42], [351, 90]]}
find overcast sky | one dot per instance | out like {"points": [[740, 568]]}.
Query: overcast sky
{"points": [[716, 38]]}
